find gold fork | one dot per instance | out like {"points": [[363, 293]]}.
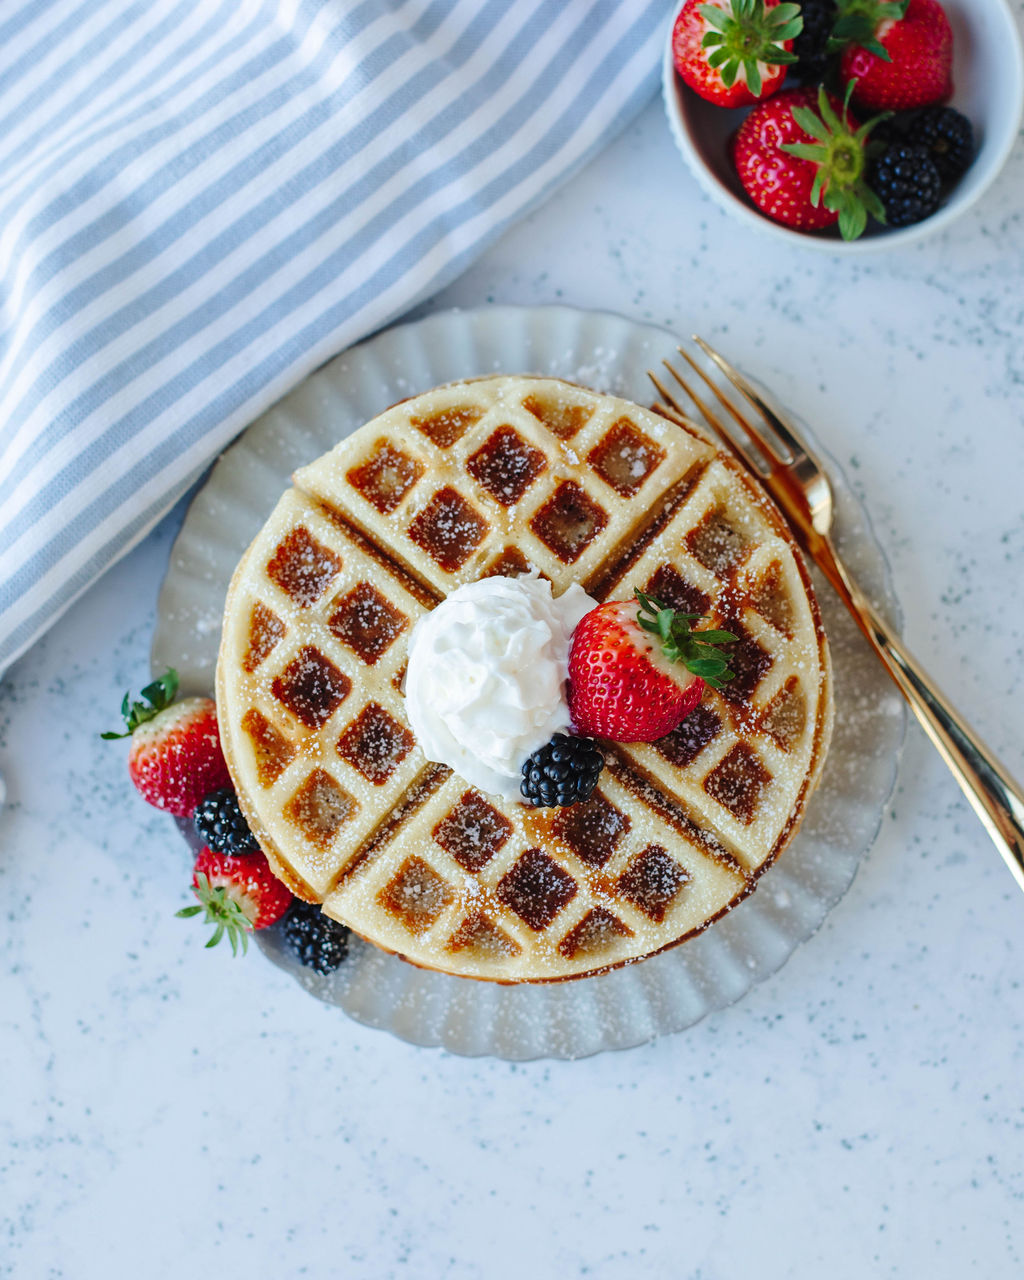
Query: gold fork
{"points": [[773, 452]]}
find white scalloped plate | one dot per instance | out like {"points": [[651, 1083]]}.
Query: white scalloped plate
{"points": [[630, 1005]]}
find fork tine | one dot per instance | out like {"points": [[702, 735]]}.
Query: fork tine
{"points": [[749, 433], [669, 405], [794, 451], [671, 408], [670, 411], [676, 411], [746, 444], [702, 408]]}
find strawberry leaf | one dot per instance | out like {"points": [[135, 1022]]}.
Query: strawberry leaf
{"points": [[811, 123], [708, 667], [829, 118], [853, 218], [714, 637], [221, 910], [839, 154], [803, 150], [680, 643], [857, 22], [715, 17], [745, 36], [156, 698], [873, 204]]}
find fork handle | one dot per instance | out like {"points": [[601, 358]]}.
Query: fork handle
{"points": [[995, 797]]}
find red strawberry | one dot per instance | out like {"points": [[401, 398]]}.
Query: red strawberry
{"points": [[804, 165], [238, 895], [900, 54], [735, 52], [175, 758], [635, 674]]}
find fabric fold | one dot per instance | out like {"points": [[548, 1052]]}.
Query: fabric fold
{"points": [[201, 202]]}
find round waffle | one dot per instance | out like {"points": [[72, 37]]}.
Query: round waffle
{"points": [[505, 475]]}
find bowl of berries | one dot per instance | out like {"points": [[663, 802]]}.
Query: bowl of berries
{"points": [[852, 124]]}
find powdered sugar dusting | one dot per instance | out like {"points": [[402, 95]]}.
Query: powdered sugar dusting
{"points": [[376, 987]]}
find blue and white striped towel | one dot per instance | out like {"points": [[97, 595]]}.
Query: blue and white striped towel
{"points": [[202, 200]]}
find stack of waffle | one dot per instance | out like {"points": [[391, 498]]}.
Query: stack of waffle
{"points": [[502, 476]]}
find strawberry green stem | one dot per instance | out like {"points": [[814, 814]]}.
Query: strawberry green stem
{"points": [[839, 152], [858, 20], [747, 34], [222, 911], [680, 643], [157, 697]]}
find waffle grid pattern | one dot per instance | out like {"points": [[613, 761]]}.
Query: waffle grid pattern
{"points": [[600, 879], [477, 474], [316, 632], [737, 764], [321, 720]]}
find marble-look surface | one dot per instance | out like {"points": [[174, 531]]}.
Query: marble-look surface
{"points": [[164, 1109]]}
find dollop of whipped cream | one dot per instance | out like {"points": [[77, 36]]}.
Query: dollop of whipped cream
{"points": [[485, 685]]}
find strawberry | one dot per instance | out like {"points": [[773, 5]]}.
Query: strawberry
{"points": [[735, 52], [900, 54], [175, 758], [237, 895], [804, 164], [628, 687]]}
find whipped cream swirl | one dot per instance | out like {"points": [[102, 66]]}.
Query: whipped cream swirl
{"points": [[485, 685]]}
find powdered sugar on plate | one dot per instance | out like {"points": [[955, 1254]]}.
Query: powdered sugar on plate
{"points": [[665, 993]]}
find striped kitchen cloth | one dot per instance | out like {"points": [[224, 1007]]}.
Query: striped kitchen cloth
{"points": [[202, 200]]}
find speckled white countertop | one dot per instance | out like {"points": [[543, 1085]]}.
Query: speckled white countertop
{"points": [[165, 1110]]}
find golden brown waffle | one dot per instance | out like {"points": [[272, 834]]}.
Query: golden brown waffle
{"points": [[500, 475]]}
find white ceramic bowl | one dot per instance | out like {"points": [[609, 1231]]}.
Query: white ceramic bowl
{"points": [[988, 75]]}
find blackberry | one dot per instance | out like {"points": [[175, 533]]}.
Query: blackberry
{"points": [[948, 138], [811, 45], [907, 182], [221, 825], [888, 130], [319, 942], [562, 772]]}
